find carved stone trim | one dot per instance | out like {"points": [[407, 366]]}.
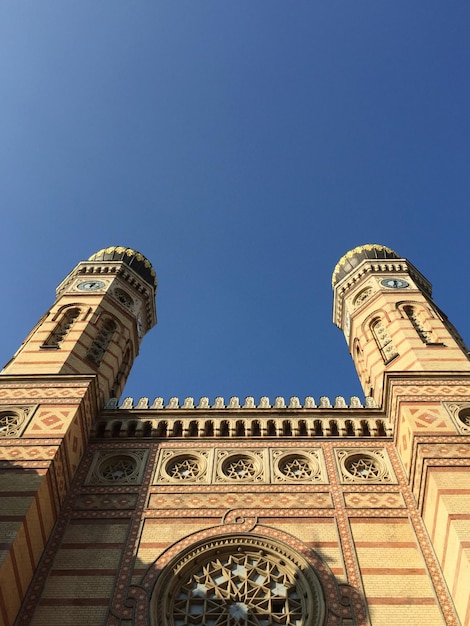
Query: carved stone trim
{"points": [[117, 467], [298, 466], [255, 580], [240, 466], [460, 415], [183, 466], [364, 466], [13, 419]]}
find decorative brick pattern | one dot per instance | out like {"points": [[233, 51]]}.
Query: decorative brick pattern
{"points": [[248, 500], [374, 500], [49, 421]]}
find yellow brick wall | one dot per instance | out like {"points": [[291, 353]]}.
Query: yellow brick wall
{"points": [[393, 572], [447, 518]]}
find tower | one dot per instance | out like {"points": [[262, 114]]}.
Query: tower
{"points": [[414, 363], [243, 513], [77, 357], [384, 306]]}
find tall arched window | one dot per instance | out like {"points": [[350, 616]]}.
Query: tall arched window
{"points": [[419, 324], [101, 341], [62, 329], [383, 340]]}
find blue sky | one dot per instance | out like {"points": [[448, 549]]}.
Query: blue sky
{"points": [[243, 147]]}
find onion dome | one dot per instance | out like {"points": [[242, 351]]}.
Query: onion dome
{"points": [[354, 257], [132, 258]]}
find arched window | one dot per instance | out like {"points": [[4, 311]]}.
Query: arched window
{"points": [[238, 580], [101, 341], [318, 428], [271, 429], [177, 429], [383, 340], [240, 429], [193, 430], [334, 429], [161, 430], [419, 324], [209, 429], [62, 329]]}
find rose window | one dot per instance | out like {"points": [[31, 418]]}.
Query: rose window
{"points": [[9, 424], [298, 467], [464, 416], [238, 583], [240, 467], [184, 468], [119, 468], [363, 467]]}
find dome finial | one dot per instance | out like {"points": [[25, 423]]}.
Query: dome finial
{"points": [[352, 259], [130, 257]]}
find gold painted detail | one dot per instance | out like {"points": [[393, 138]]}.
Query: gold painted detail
{"points": [[128, 252], [358, 250]]}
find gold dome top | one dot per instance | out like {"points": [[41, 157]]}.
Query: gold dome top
{"points": [[130, 257], [351, 259]]}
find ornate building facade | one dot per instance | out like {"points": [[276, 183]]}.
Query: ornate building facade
{"points": [[237, 513]]}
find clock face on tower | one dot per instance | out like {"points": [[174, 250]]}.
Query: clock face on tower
{"points": [[394, 283], [90, 285]]}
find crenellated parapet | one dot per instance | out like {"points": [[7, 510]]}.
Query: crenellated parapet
{"points": [[234, 403], [175, 419]]}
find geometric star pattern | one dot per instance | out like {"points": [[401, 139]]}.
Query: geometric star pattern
{"points": [[184, 468], [239, 468], [363, 467], [245, 588], [297, 467]]}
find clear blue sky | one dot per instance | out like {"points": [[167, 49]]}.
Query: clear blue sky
{"points": [[243, 147]]}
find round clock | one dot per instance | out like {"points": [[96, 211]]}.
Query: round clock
{"points": [[394, 283], [90, 285]]}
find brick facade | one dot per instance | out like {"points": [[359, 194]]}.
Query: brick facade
{"points": [[311, 513]]}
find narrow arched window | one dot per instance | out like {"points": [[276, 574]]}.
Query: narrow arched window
{"points": [[419, 324], [209, 429], [193, 430], [62, 329], [286, 428], [240, 429], [383, 340], [101, 341]]}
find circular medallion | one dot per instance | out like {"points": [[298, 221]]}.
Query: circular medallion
{"points": [[184, 467], [240, 467]]}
